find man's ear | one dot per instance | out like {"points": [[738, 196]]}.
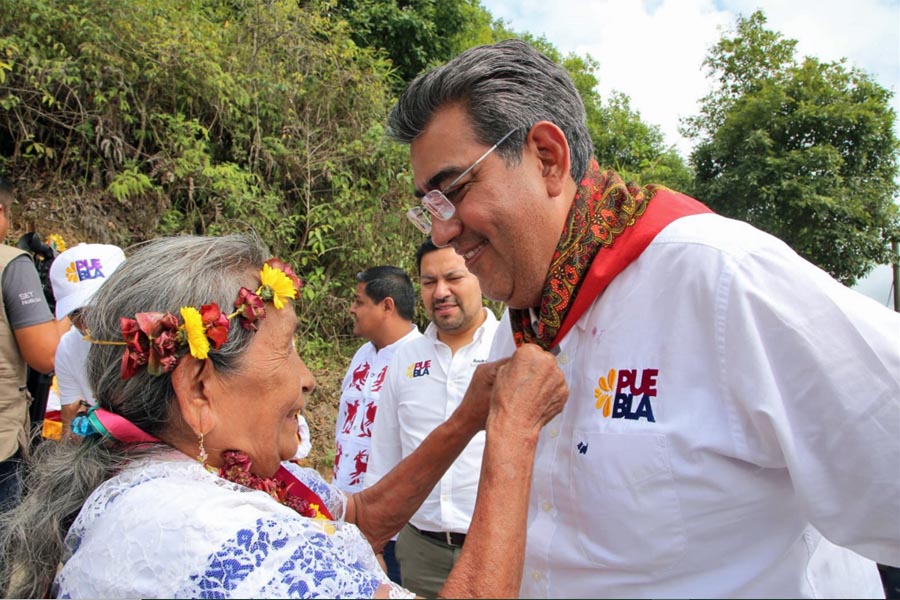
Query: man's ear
{"points": [[388, 304], [549, 143], [190, 380]]}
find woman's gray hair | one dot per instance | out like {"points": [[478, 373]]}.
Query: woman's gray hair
{"points": [[161, 276], [504, 86]]}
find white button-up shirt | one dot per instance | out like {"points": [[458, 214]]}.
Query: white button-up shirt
{"points": [[425, 384], [356, 413], [730, 404]]}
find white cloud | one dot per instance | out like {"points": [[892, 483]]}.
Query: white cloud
{"points": [[653, 51]]}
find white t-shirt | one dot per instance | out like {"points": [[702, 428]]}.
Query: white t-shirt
{"points": [[730, 404], [424, 385], [71, 356], [356, 412]]}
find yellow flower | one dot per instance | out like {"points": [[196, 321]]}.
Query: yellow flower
{"points": [[57, 241], [280, 285], [195, 332]]}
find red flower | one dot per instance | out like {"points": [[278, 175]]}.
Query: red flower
{"points": [[236, 468], [252, 308], [216, 323], [137, 347], [150, 339]]}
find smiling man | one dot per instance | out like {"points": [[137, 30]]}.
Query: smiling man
{"points": [[382, 311], [426, 381], [733, 425]]}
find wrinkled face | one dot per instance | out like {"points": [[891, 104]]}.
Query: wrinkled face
{"points": [[366, 314], [257, 407], [450, 293], [500, 227]]}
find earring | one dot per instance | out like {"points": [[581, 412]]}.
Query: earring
{"points": [[201, 458]]}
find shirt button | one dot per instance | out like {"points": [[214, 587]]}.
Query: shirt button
{"points": [[554, 431], [563, 358], [536, 575], [547, 506]]}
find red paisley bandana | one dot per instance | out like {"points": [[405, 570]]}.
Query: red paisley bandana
{"points": [[606, 209]]}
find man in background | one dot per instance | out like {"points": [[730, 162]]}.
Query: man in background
{"points": [[76, 275], [28, 336], [382, 311], [426, 382]]}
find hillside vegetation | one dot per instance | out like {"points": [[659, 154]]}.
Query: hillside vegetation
{"points": [[124, 121]]}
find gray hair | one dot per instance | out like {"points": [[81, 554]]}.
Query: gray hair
{"points": [[161, 276], [504, 86]]}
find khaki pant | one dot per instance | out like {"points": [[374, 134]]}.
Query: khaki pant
{"points": [[424, 562]]}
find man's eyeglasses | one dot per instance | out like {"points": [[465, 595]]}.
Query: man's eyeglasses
{"points": [[436, 203]]}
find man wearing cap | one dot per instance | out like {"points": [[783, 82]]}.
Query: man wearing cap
{"points": [[76, 275], [28, 336]]}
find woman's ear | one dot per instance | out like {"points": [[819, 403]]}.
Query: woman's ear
{"points": [[552, 149], [190, 380]]}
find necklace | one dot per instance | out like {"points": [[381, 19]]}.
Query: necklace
{"points": [[284, 487]]}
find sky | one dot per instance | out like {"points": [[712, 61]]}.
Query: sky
{"points": [[653, 50]]}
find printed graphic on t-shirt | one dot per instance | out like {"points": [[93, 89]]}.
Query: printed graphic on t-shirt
{"points": [[30, 298], [360, 463], [365, 428], [627, 394], [352, 408], [360, 374], [418, 369], [379, 381]]}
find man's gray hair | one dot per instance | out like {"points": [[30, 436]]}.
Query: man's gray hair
{"points": [[504, 86]]}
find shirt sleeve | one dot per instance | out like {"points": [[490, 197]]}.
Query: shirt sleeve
{"points": [[813, 371], [386, 450], [23, 295], [68, 362]]}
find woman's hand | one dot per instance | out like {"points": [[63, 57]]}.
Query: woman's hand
{"points": [[529, 389]]}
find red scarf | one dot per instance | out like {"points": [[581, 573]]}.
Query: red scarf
{"points": [[610, 223]]}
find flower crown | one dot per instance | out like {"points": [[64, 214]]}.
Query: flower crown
{"points": [[154, 338]]}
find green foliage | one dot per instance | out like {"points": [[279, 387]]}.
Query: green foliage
{"points": [[197, 116], [805, 151], [636, 149], [416, 34]]}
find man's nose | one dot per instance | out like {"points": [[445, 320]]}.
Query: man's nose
{"points": [[444, 232]]}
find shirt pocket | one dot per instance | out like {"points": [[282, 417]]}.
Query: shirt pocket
{"points": [[625, 493]]}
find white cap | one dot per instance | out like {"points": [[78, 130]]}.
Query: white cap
{"points": [[79, 271]]}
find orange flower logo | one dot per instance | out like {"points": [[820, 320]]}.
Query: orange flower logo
{"points": [[604, 392], [72, 273]]}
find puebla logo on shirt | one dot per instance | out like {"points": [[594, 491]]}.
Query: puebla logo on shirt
{"points": [[418, 369], [627, 394]]}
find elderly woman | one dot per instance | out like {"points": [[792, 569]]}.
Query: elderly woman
{"points": [[180, 488]]}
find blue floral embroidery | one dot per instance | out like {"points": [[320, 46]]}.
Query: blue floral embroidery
{"points": [[238, 558], [324, 570], [314, 568]]}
